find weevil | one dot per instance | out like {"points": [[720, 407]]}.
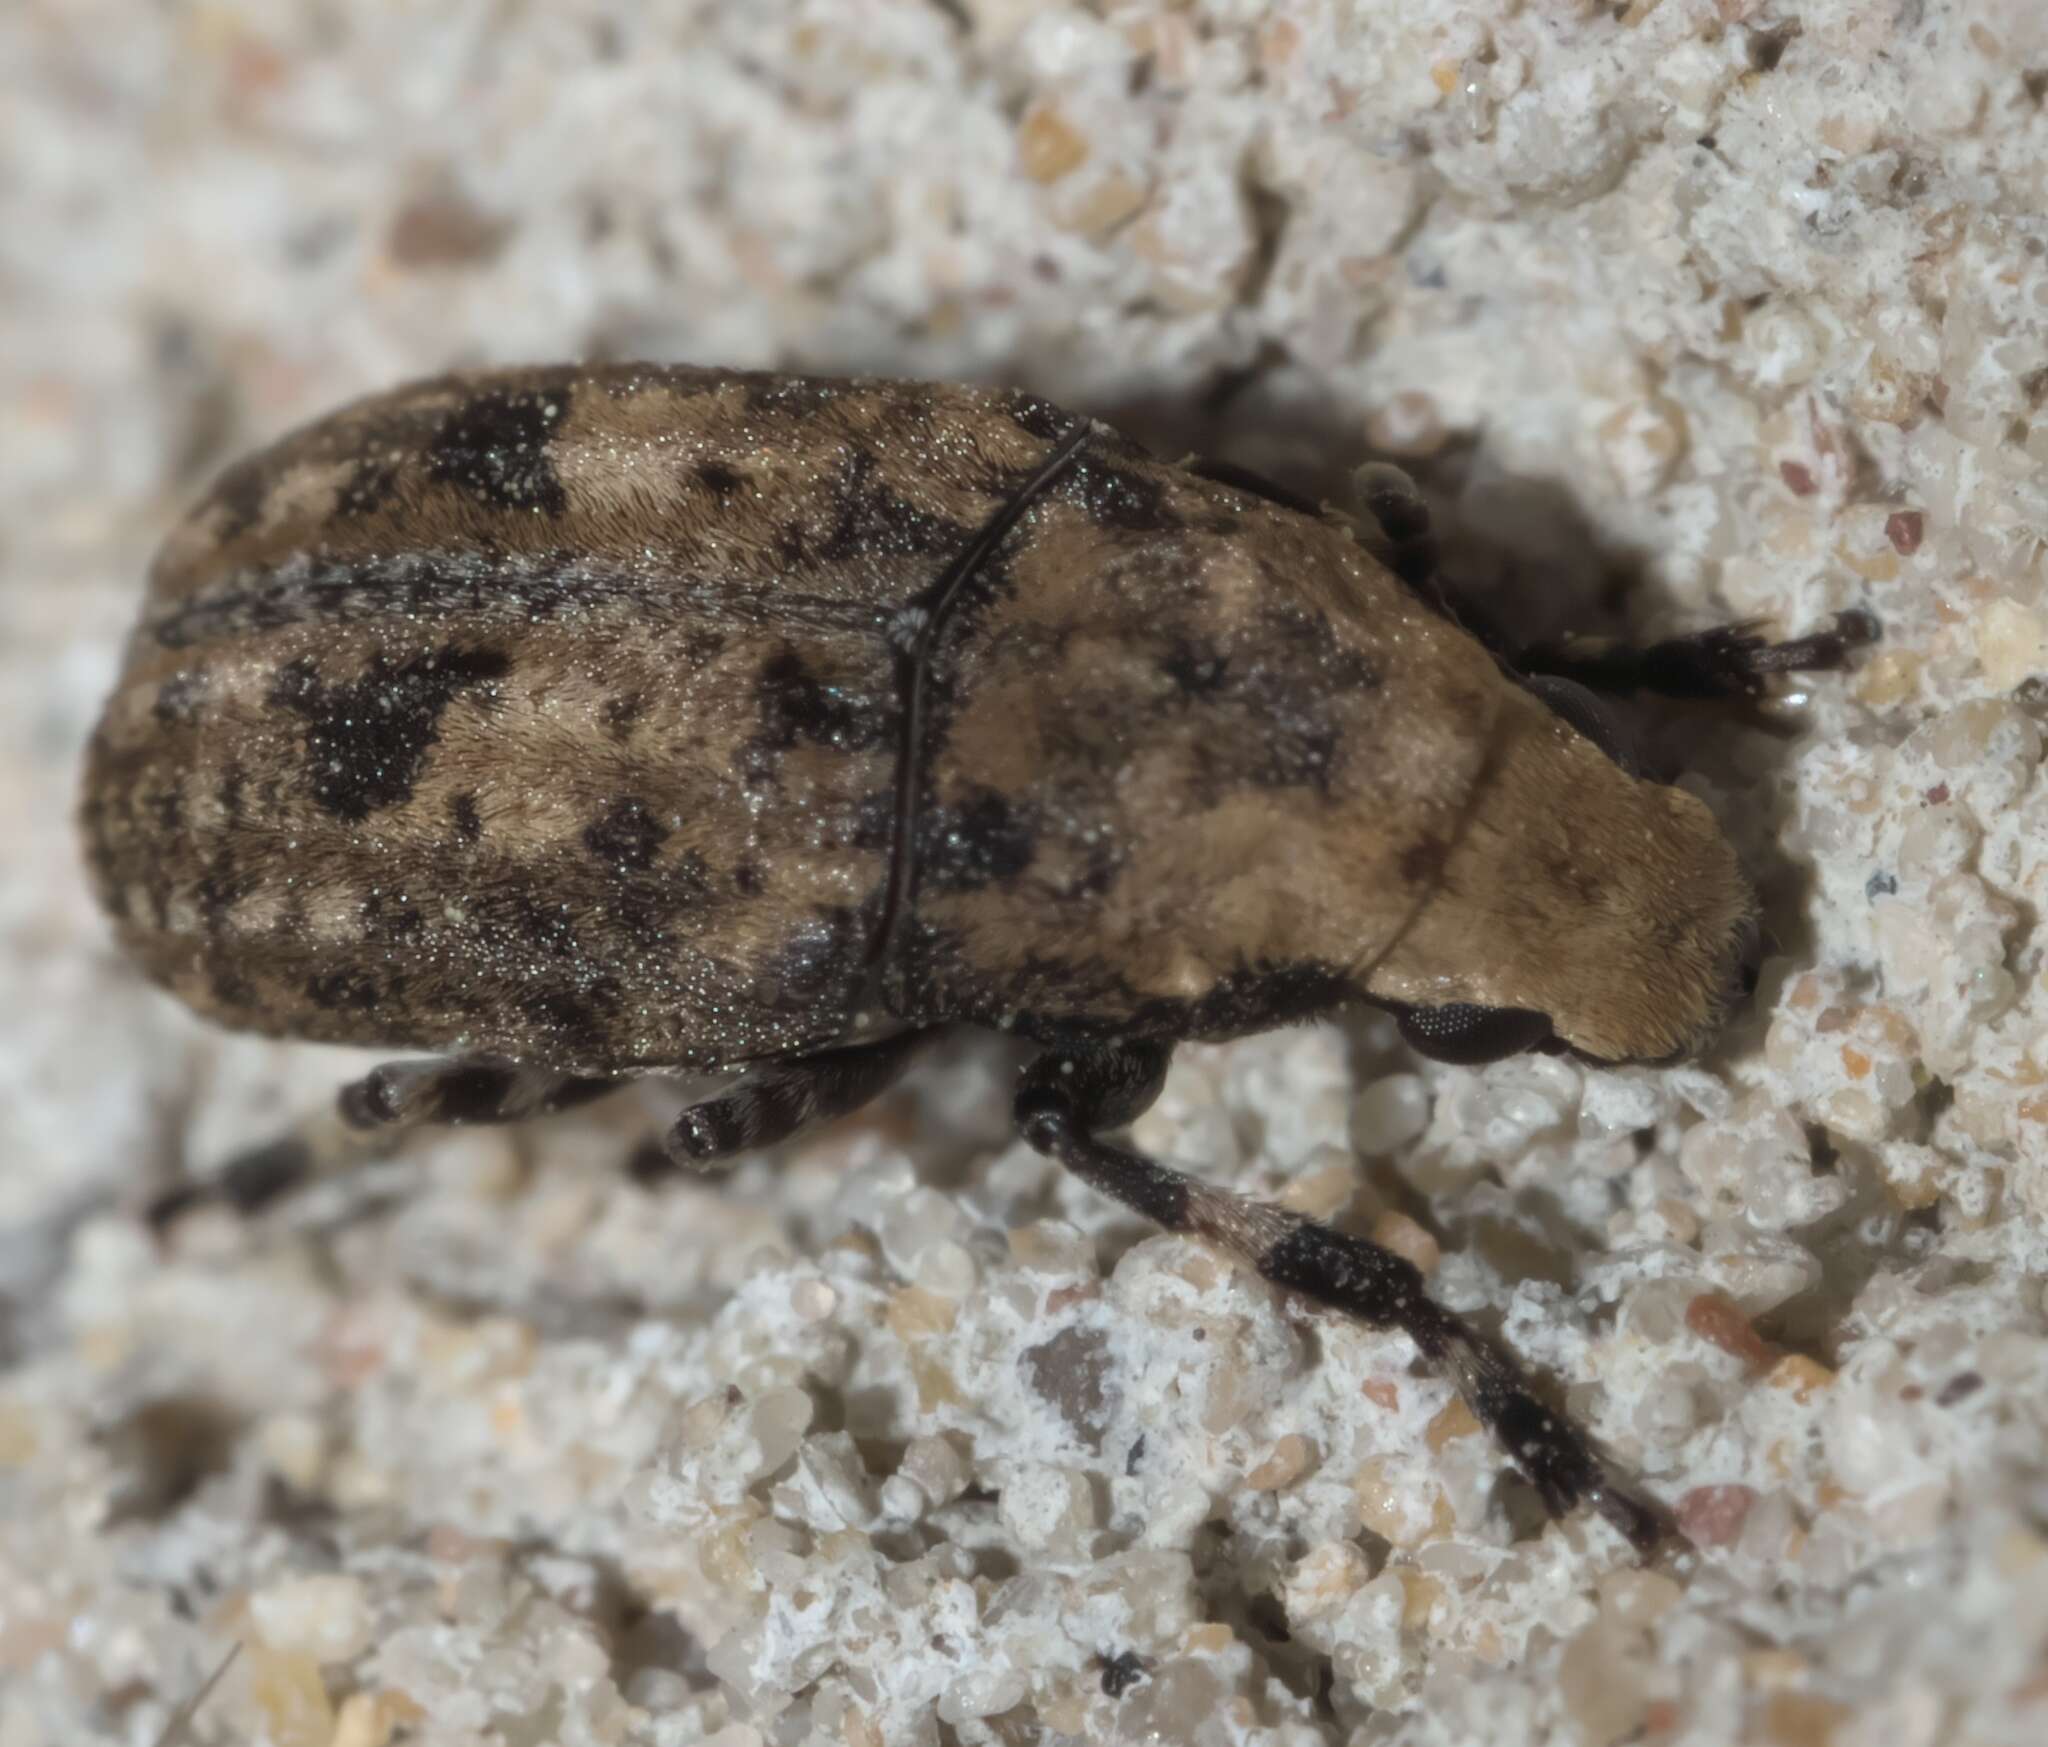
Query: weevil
{"points": [[576, 724]]}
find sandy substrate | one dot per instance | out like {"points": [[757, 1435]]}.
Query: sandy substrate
{"points": [[1681, 309]]}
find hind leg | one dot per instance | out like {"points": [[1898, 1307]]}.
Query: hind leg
{"points": [[371, 1116], [1064, 1099]]}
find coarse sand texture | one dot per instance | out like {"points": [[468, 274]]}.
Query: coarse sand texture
{"points": [[1679, 310]]}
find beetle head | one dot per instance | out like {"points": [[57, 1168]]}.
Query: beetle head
{"points": [[1578, 907]]}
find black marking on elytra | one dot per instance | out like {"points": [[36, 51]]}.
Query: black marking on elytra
{"points": [[792, 548], [699, 647], [979, 842], [219, 890], [1103, 862], [167, 805], [462, 813], [576, 1023], [1195, 668], [870, 519], [366, 739], [234, 783], [1116, 497], [822, 950], [485, 587], [494, 448], [748, 880], [718, 479], [548, 928], [621, 712], [1299, 749], [216, 897], [795, 705], [1316, 646], [688, 880], [388, 916], [627, 835], [638, 913], [341, 991]]}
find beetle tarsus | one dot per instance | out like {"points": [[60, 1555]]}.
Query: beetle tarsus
{"points": [[1724, 661], [1065, 1097]]}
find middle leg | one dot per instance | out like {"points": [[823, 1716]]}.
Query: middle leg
{"points": [[771, 1103], [1065, 1098]]}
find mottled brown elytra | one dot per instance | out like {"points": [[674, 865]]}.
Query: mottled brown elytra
{"points": [[575, 724]]}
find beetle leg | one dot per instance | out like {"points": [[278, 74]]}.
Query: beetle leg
{"points": [[772, 1103], [370, 1117], [1727, 661], [462, 1089], [1061, 1102]]}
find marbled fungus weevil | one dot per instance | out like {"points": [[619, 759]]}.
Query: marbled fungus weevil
{"points": [[582, 723]]}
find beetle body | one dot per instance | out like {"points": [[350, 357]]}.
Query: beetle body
{"points": [[619, 719], [585, 723]]}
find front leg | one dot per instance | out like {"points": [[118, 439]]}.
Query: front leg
{"points": [[1065, 1099], [1725, 661]]}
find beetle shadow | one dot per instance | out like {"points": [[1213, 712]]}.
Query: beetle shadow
{"points": [[1518, 555]]}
